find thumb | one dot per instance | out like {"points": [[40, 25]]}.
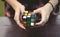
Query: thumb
{"points": [[43, 20], [35, 11]]}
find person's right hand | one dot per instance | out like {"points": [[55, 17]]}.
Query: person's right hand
{"points": [[17, 17]]}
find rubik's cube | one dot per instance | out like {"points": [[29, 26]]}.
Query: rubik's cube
{"points": [[29, 19]]}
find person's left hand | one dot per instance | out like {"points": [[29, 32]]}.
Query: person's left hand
{"points": [[45, 13]]}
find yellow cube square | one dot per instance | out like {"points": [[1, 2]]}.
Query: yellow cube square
{"points": [[26, 12]]}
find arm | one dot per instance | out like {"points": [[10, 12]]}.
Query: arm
{"points": [[13, 3]]}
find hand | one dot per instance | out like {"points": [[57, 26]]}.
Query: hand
{"points": [[45, 13], [18, 12]]}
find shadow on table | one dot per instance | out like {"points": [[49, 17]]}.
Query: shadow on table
{"points": [[51, 29]]}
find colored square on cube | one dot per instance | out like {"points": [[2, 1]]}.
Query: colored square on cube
{"points": [[32, 20], [32, 24], [24, 17], [28, 22], [32, 16], [25, 22], [29, 14], [26, 12]]}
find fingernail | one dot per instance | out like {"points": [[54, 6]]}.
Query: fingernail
{"points": [[24, 28], [34, 11]]}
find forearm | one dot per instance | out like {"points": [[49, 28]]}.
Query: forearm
{"points": [[13, 3]]}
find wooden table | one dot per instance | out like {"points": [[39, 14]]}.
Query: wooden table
{"points": [[8, 28]]}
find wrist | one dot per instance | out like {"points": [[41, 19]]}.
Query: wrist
{"points": [[54, 2], [48, 7], [17, 5], [51, 5]]}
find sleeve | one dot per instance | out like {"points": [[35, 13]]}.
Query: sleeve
{"points": [[3, 0], [59, 2]]}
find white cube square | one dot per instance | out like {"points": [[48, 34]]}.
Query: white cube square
{"points": [[28, 16], [24, 17], [32, 24]]}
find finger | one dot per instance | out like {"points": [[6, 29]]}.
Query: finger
{"points": [[20, 25], [22, 13], [41, 23], [22, 10], [16, 18], [43, 20], [35, 11]]}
